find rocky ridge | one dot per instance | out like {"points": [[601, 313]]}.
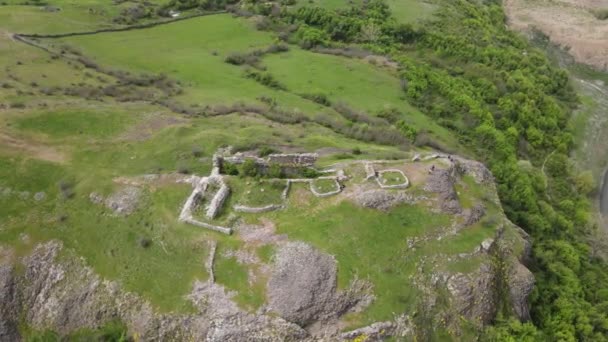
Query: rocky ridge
{"points": [[304, 304]]}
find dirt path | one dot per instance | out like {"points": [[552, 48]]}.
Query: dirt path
{"points": [[31, 148]]}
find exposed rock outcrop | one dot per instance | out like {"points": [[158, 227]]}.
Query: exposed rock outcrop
{"points": [[521, 283], [473, 294], [442, 182], [475, 169], [381, 199], [124, 201], [302, 288], [66, 296], [474, 214], [9, 304]]}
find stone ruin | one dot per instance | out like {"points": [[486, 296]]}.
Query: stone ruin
{"points": [[371, 173], [214, 200], [290, 163], [201, 189], [286, 160], [293, 159]]}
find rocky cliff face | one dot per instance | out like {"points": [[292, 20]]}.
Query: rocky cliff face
{"points": [[66, 295]]}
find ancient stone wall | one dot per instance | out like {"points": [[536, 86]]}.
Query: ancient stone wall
{"points": [[326, 194], [403, 185], [299, 159], [255, 210], [194, 200], [218, 200]]}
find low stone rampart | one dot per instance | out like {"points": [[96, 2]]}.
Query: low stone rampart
{"points": [[194, 200], [326, 194], [256, 210], [299, 159], [395, 186], [219, 229], [211, 260]]}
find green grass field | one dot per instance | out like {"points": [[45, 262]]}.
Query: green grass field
{"points": [[61, 124], [61, 16], [411, 11], [358, 84]]}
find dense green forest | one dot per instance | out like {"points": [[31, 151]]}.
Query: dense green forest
{"points": [[508, 104]]}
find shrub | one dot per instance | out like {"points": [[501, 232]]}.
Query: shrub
{"points": [[183, 169], [249, 168], [144, 242], [310, 173], [271, 101], [264, 78], [66, 189], [356, 116], [284, 116], [277, 48], [230, 169], [237, 58], [601, 14], [197, 152], [357, 151], [275, 171], [265, 151], [319, 98], [309, 37]]}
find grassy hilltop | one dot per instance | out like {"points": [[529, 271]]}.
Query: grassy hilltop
{"points": [[85, 117]]}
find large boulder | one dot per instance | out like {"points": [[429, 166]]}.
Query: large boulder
{"points": [[303, 284]]}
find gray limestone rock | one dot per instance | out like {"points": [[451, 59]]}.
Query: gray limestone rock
{"points": [[473, 294], [303, 283], [521, 283], [9, 304], [381, 199], [39, 196], [66, 296], [442, 182], [124, 201]]}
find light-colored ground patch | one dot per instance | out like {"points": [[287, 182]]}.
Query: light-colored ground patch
{"points": [[33, 149], [568, 23], [151, 124]]}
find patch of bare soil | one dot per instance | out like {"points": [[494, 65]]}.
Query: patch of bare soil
{"points": [[262, 234], [7, 35], [570, 24], [31, 148], [154, 123]]}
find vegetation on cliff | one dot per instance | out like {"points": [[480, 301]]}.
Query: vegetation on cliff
{"points": [[507, 103]]}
